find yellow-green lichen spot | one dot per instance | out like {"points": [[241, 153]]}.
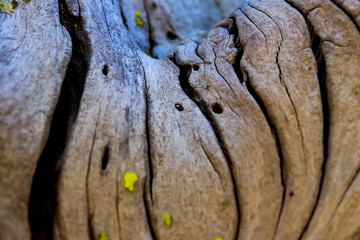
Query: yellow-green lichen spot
{"points": [[130, 180], [168, 219], [8, 7], [103, 236], [139, 21], [218, 238]]}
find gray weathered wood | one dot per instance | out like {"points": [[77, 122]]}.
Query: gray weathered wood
{"points": [[34, 52], [247, 127]]}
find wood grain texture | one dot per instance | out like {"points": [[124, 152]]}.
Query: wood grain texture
{"points": [[246, 128], [111, 118], [191, 178], [236, 117], [351, 8], [34, 52], [281, 68], [341, 53]]}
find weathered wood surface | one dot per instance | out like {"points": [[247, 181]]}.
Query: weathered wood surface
{"points": [[34, 52], [248, 129]]}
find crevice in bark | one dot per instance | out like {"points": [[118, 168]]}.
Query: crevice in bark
{"points": [[278, 66], [240, 73], [117, 201], [105, 19], [90, 216], [147, 128], [321, 66], [147, 203], [347, 13], [150, 28], [256, 26], [217, 70], [105, 159], [261, 104], [237, 68], [42, 202], [183, 79], [246, 81], [233, 30], [287, 92], [124, 20], [185, 71], [209, 159], [269, 17]]}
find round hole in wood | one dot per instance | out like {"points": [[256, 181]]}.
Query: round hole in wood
{"points": [[196, 68], [105, 70], [217, 108], [179, 107], [171, 36]]}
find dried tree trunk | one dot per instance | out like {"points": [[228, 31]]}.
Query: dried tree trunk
{"points": [[243, 123]]}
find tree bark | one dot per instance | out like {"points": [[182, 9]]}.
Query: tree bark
{"points": [[235, 120]]}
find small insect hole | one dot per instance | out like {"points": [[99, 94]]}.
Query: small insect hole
{"points": [[105, 159], [105, 70], [171, 36], [216, 107], [196, 68], [291, 194], [179, 107], [153, 5]]}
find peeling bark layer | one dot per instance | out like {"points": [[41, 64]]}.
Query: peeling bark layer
{"points": [[248, 129]]}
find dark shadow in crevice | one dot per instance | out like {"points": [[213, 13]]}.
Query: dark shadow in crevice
{"points": [[171, 36], [262, 107], [261, 104], [42, 203], [321, 66], [185, 71], [183, 79], [237, 68], [124, 20], [147, 204], [232, 28], [148, 185], [244, 79], [105, 159]]}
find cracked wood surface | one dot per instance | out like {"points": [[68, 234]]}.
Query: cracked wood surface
{"points": [[291, 96], [246, 130], [191, 179], [34, 53], [111, 116], [241, 127]]}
